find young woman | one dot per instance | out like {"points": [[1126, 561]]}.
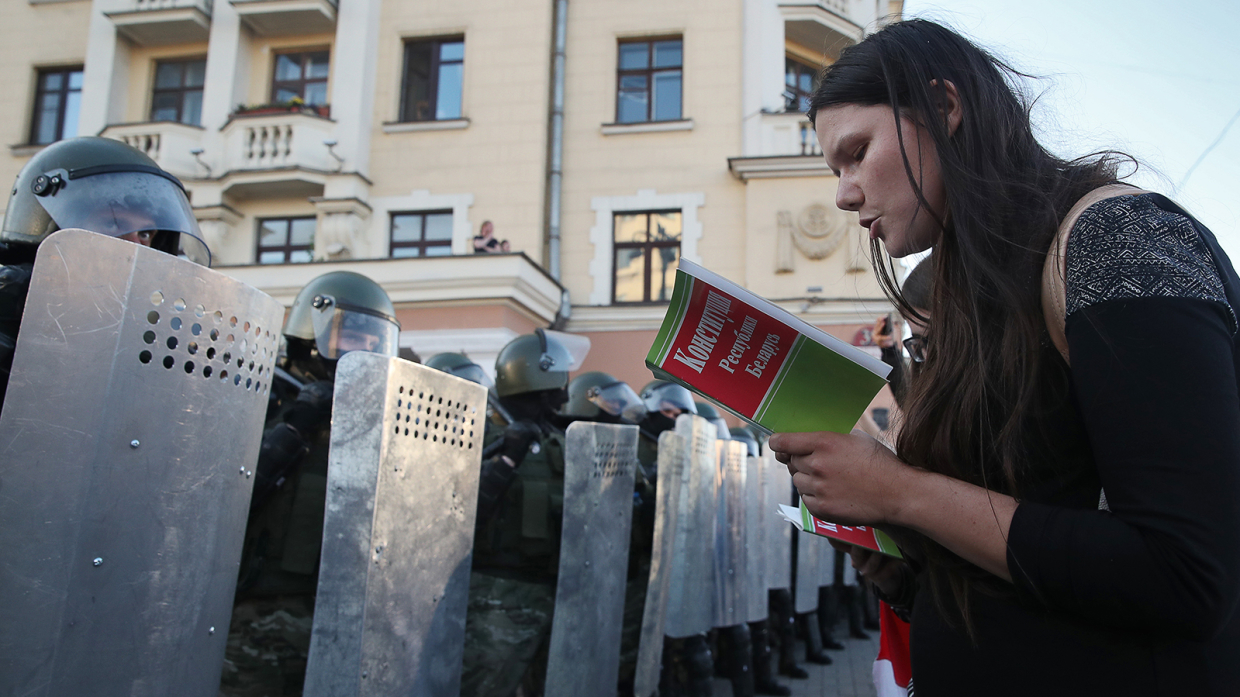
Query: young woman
{"points": [[1075, 523]]}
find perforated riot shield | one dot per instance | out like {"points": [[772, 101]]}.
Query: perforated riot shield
{"points": [[673, 456], [730, 603], [584, 654], [808, 570], [690, 605], [755, 542], [130, 431], [777, 490], [402, 492]]}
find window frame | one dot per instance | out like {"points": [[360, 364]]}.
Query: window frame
{"points": [[305, 53], [64, 91], [648, 247], [180, 91], [287, 248], [404, 108], [422, 244], [792, 93], [649, 73]]}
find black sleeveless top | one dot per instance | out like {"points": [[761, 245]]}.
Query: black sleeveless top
{"points": [[1140, 599]]}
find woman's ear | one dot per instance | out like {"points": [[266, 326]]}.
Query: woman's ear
{"points": [[949, 105]]}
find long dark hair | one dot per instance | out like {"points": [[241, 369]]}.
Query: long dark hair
{"points": [[971, 406]]}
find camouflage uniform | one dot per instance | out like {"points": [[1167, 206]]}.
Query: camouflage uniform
{"points": [[516, 561]]}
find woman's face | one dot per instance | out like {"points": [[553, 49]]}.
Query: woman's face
{"points": [[861, 146]]}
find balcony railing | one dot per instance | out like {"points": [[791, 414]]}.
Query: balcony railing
{"points": [[170, 144], [785, 134], [278, 141], [163, 22]]}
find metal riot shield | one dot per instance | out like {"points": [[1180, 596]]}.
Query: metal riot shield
{"points": [[584, 654], [130, 431], [755, 542], [730, 603], [777, 490], [673, 456], [398, 530], [826, 564], [809, 570], [690, 604]]}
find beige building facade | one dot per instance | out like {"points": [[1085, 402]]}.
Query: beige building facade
{"points": [[604, 142]]}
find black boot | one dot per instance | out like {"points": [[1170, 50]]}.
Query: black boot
{"points": [[785, 633], [763, 679], [700, 666], [828, 614], [852, 605], [813, 640], [737, 658]]}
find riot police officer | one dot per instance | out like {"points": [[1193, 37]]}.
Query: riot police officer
{"points": [[269, 639], [97, 184], [520, 506]]}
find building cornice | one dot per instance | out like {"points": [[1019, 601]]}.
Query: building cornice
{"points": [[778, 167]]}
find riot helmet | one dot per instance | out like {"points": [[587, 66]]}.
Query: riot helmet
{"points": [[343, 311], [104, 186], [662, 396], [707, 411], [590, 395], [458, 364], [538, 361], [744, 435]]}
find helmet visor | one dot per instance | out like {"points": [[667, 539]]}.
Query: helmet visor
{"points": [[670, 396], [117, 204], [576, 345], [618, 399], [722, 427], [340, 328]]}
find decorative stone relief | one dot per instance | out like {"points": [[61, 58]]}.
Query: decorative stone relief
{"points": [[340, 230], [784, 262], [816, 232]]}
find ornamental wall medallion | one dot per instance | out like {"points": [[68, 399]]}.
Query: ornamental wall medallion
{"points": [[819, 231]]}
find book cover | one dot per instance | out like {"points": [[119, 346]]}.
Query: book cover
{"points": [[860, 535], [758, 361]]}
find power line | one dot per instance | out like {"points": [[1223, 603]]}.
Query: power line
{"points": [[1222, 134]]}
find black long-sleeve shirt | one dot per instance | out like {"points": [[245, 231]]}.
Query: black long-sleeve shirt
{"points": [[1140, 599]]}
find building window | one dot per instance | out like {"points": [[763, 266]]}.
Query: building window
{"points": [[422, 234], [646, 254], [57, 102], [800, 80], [178, 91], [285, 240], [648, 81], [303, 76], [434, 74]]}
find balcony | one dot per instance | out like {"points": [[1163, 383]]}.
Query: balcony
{"points": [[287, 17], [164, 22], [281, 154], [170, 144], [826, 26], [788, 147]]}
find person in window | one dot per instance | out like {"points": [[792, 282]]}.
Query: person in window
{"points": [[485, 242], [1068, 474]]}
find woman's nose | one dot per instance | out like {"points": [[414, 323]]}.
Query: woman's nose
{"points": [[848, 195]]}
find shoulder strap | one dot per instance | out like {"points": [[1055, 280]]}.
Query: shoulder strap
{"points": [[1054, 270]]}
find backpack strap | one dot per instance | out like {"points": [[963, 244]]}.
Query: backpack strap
{"points": [[1055, 271]]}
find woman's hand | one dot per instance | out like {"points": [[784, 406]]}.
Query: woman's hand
{"points": [[883, 571], [849, 479]]}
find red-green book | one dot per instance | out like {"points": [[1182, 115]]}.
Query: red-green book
{"points": [[860, 535], [758, 361]]}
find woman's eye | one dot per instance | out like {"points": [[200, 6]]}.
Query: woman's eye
{"points": [[860, 154]]}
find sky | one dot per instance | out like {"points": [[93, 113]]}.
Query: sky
{"points": [[1157, 80]]}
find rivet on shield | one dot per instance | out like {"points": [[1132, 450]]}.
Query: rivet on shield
{"points": [[134, 443], [98, 561], [211, 631], [249, 473], [535, 448]]}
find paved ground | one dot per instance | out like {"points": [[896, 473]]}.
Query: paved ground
{"points": [[848, 676]]}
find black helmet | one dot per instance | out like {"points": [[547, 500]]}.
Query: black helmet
{"points": [[707, 411], [342, 311], [660, 394], [105, 186], [594, 393], [458, 364], [538, 361], [744, 435]]}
